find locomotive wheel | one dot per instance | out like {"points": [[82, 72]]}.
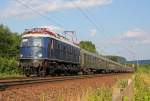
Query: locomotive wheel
{"points": [[42, 72], [80, 73], [26, 72], [27, 75]]}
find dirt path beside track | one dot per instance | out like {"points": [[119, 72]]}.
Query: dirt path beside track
{"points": [[70, 90]]}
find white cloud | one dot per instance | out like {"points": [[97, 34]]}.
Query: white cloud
{"points": [[132, 44], [14, 8], [133, 33], [133, 36], [137, 35], [93, 32]]}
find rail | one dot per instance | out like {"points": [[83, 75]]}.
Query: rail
{"points": [[8, 83]]}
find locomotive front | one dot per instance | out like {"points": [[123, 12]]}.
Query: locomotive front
{"points": [[33, 51]]}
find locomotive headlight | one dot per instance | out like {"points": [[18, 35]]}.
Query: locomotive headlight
{"points": [[39, 45], [21, 55], [39, 55]]}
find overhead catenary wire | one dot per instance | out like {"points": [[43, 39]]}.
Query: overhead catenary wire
{"points": [[87, 17], [90, 14], [39, 13], [49, 19]]}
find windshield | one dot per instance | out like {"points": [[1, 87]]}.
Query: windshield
{"points": [[32, 41]]}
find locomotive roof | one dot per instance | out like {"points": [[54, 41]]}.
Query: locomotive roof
{"points": [[43, 32]]}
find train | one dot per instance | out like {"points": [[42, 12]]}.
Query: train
{"points": [[44, 52]]}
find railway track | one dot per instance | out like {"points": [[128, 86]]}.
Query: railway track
{"points": [[16, 82]]}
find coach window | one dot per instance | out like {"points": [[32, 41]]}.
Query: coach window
{"points": [[63, 50], [74, 52], [53, 44], [68, 49], [71, 50]]}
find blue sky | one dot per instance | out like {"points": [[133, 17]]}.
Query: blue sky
{"points": [[123, 25]]}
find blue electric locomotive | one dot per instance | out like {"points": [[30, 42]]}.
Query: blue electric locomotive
{"points": [[44, 52]]}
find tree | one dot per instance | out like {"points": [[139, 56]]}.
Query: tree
{"points": [[88, 45], [9, 50], [119, 59], [9, 41]]}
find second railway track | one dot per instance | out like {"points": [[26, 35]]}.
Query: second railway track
{"points": [[6, 84]]}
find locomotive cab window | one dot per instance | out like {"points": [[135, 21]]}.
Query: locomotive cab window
{"points": [[24, 42], [37, 41], [32, 41]]}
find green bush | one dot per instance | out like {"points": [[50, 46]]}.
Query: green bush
{"points": [[9, 66]]}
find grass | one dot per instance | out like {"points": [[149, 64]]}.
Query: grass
{"points": [[5, 75], [99, 94], [122, 83], [142, 84], [141, 87]]}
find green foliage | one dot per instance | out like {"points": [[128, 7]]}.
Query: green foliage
{"points": [[8, 66], [100, 94], [88, 45], [143, 69], [125, 98], [142, 83], [9, 51], [9, 42], [119, 59], [122, 83]]}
